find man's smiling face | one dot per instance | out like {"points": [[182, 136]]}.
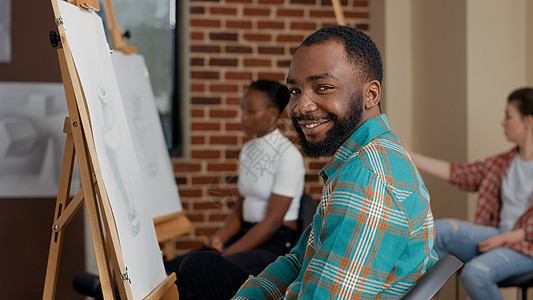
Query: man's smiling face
{"points": [[326, 103]]}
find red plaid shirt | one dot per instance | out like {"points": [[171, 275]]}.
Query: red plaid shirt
{"points": [[486, 178]]}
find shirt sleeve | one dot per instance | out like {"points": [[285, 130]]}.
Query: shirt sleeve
{"points": [[272, 283], [359, 245], [467, 177]]}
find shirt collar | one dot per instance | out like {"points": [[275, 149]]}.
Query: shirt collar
{"points": [[368, 131]]}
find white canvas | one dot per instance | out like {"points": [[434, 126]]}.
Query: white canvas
{"points": [[32, 139], [145, 126], [115, 150]]}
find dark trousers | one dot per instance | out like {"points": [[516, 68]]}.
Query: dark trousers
{"points": [[208, 275]]}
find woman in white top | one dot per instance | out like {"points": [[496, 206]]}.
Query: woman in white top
{"points": [[271, 183], [263, 223], [499, 244]]}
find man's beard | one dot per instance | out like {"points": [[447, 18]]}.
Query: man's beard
{"points": [[336, 135]]}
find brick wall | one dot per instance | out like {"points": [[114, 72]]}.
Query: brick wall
{"points": [[233, 42]]}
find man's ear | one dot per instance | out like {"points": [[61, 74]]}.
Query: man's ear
{"points": [[372, 94]]}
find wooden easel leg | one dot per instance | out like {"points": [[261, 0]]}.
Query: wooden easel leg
{"points": [[56, 241]]}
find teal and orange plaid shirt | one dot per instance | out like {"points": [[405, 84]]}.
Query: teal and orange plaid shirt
{"points": [[372, 234]]}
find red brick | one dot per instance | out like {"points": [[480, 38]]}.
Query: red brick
{"points": [[197, 87], [328, 2], [238, 49], [205, 100], [196, 217], [311, 178], [197, 61], [273, 76], [257, 37], [270, 25], [197, 35], [290, 13], [315, 191], [256, 12], [206, 180], [223, 62], [322, 14], [233, 101], [238, 75], [271, 50], [233, 127], [311, 2], [223, 88], [353, 14], [221, 167], [271, 1], [205, 48], [205, 23], [221, 193], [360, 3], [205, 126], [196, 193], [205, 154], [223, 36], [197, 10], [205, 205], [232, 154], [239, 1], [197, 140], [222, 11], [284, 63], [290, 38], [182, 167], [238, 24], [252, 62], [303, 26], [204, 75], [220, 113], [223, 140], [197, 113], [316, 165]]}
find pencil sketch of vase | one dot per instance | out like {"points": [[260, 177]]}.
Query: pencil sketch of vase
{"points": [[112, 141]]}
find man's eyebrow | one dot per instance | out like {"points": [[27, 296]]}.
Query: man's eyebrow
{"points": [[312, 77]]}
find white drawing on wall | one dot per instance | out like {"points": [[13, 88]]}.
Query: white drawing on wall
{"points": [[32, 139]]}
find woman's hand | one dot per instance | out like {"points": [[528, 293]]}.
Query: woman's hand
{"points": [[501, 239], [214, 243]]}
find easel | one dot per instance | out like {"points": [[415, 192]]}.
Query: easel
{"points": [[80, 144], [339, 15], [174, 224]]}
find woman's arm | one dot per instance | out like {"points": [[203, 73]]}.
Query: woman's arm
{"points": [[436, 167], [264, 230], [230, 228]]}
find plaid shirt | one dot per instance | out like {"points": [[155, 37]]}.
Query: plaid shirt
{"points": [[372, 234], [486, 178]]}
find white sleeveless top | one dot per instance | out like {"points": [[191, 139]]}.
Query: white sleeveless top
{"points": [[271, 164]]}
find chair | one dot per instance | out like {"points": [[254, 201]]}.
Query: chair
{"points": [[305, 214], [431, 282], [523, 282]]}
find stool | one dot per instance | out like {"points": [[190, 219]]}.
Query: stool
{"points": [[523, 282]]}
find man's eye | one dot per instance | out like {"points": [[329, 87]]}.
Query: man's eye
{"points": [[324, 87], [294, 91]]}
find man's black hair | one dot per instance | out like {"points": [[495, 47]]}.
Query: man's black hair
{"points": [[360, 49]]}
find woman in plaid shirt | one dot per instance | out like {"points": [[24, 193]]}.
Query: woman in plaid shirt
{"points": [[500, 242]]}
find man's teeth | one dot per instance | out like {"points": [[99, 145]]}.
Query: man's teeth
{"points": [[311, 125]]}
